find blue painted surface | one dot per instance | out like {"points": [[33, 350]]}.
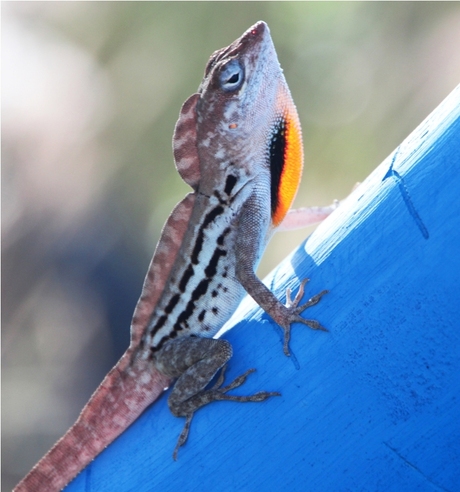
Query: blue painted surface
{"points": [[374, 403]]}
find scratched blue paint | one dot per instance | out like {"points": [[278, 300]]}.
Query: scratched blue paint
{"points": [[405, 194], [374, 404]]}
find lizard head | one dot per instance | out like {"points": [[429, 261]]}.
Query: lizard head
{"points": [[243, 120]]}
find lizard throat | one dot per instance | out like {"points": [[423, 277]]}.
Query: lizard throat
{"points": [[286, 162]]}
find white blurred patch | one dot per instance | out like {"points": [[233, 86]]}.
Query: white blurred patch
{"points": [[55, 100]]}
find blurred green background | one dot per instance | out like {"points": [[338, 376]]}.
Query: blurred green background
{"points": [[90, 96]]}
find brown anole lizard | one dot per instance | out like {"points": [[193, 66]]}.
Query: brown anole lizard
{"points": [[238, 144]]}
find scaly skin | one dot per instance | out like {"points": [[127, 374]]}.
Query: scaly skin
{"points": [[238, 144]]}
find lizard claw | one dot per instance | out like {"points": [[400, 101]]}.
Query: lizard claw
{"points": [[217, 393], [236, 382], [295, 303], [294, 311]]}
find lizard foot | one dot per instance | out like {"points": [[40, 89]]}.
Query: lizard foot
{"points": [[218, 393], [294, 311]]}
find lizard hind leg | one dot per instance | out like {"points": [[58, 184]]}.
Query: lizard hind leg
{"points": [[195, 361], [219, 395]]}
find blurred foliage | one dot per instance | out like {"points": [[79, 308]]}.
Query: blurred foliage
{"points": [[91, 93]]}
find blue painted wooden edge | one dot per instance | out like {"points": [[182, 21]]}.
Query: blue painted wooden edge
{"points": [[371, 405]]}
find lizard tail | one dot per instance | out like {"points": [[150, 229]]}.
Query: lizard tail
{"points": [[121, 397], [128, 388]]}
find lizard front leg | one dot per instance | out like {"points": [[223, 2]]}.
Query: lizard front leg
{"points": [[283, 315], [195, 361], [247, 255]]}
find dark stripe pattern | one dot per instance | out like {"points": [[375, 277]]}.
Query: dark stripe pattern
{"points": [[200, 290], [230, 182], [200, 237], [188, 274], [277, 152]]}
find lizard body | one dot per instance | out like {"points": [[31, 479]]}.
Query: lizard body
{"points": [[238, 144]]}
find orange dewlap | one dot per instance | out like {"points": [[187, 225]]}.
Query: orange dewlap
{"points": [[292, 166]]}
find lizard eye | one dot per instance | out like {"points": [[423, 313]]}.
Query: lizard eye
{"points": [[232, 76]]}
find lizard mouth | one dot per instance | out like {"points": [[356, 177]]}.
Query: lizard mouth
{"points": [[257, 30], [255, 37]]}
